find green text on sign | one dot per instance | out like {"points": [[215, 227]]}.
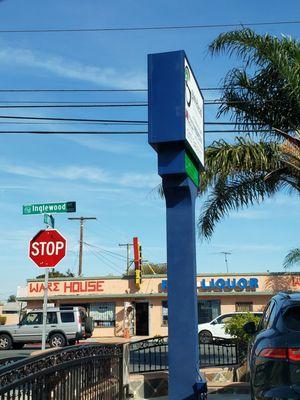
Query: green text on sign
{"points": [[49, 208], [191, 169]]}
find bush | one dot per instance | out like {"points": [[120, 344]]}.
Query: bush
{"points": [[234, 326], [2, 319]]}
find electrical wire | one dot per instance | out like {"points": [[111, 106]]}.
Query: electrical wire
{"points": [[86, 132], [122, 104], [106, 261], [40, 132], [106, 251], [82, 105], [101, 121], [115, 121], [63, 90], [149, 28]]}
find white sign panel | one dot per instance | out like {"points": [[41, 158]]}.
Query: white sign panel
{"points": [[194, 109]]}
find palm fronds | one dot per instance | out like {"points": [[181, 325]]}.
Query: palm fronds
{"points": [[292, 258]]}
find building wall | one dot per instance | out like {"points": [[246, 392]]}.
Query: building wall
{"points": [[227, 288]]}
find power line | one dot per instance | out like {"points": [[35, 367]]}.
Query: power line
{"points": [[122, 104], [104, 259], [63, 90], [149, 28], [86, 132], [108, 121], [40, 132], [94, 105], [112, 253], [115, 121]]}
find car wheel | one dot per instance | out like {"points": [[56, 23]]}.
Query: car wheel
{"points": [[5, 342], [18, 346], [72, 342], [57, 340], [205, 337]]}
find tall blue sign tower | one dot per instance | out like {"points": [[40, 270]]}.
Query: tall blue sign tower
{"points": [[176, 132]]}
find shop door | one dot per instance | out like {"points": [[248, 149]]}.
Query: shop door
{"points": [[142, 319]]}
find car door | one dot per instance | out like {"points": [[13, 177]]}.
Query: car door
{"points": [[30, 328], [219, 327], [52, 322]]}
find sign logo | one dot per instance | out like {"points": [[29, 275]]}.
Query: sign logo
{"points": [[221, 284]]}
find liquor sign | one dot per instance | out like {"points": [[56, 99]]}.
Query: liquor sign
{"points": [[47, 248], [49, 208]]}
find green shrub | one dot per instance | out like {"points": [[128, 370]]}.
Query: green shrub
{"points": [[234, 326], [2, 319]]}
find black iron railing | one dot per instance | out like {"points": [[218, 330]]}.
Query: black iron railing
{"points": [[80, 372], [149, 355], [152, 354]]}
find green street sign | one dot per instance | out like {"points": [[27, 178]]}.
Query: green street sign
{"points": [[49, 220], [49, 208], [192, 170]]}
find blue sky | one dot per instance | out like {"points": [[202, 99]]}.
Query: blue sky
{"points": [[113, 178]]}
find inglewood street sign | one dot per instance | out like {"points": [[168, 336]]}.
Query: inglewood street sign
{"points": [[49, 208]]}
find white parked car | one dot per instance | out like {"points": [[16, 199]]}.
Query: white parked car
{"points": [[216, 327]]}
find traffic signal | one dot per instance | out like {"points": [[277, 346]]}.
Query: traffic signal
{"points": [[138, 278], [138, 259]]}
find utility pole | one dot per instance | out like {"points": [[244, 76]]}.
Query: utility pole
{"points": [[128, 262], [226, 253], [81, 219]]}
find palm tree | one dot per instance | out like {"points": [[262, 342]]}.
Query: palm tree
{"points": [[293, 257], [264, 97]]}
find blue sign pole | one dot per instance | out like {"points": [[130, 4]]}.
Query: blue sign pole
{"points": [[176, 133]]}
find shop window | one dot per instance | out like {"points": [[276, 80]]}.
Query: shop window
{"points": [[103, 314], [164, 313], [208, 310], [244, 307]]}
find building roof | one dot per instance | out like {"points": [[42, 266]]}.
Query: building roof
{"points": [[164, 276]]}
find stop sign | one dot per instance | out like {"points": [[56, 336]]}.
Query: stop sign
{"points": [[47, 248]]}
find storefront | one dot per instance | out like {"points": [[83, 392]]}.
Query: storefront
{"points": [[116, 305]]}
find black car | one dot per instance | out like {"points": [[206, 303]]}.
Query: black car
{"points": [[274, 352]]}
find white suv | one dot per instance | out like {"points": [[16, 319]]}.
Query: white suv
{"points": [[63, 326], [216, 327]]}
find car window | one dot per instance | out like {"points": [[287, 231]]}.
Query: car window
{"points": [[225, 318], [266, 315], [51, 318], [33, 318], [291, 318], [67, 317], [272, 315]]}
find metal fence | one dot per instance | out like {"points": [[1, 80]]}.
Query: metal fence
{"points": [[152, 354], [89, 372]]}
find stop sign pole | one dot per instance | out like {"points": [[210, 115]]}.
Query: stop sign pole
{"points": [[46, 250], [45, 303]]}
